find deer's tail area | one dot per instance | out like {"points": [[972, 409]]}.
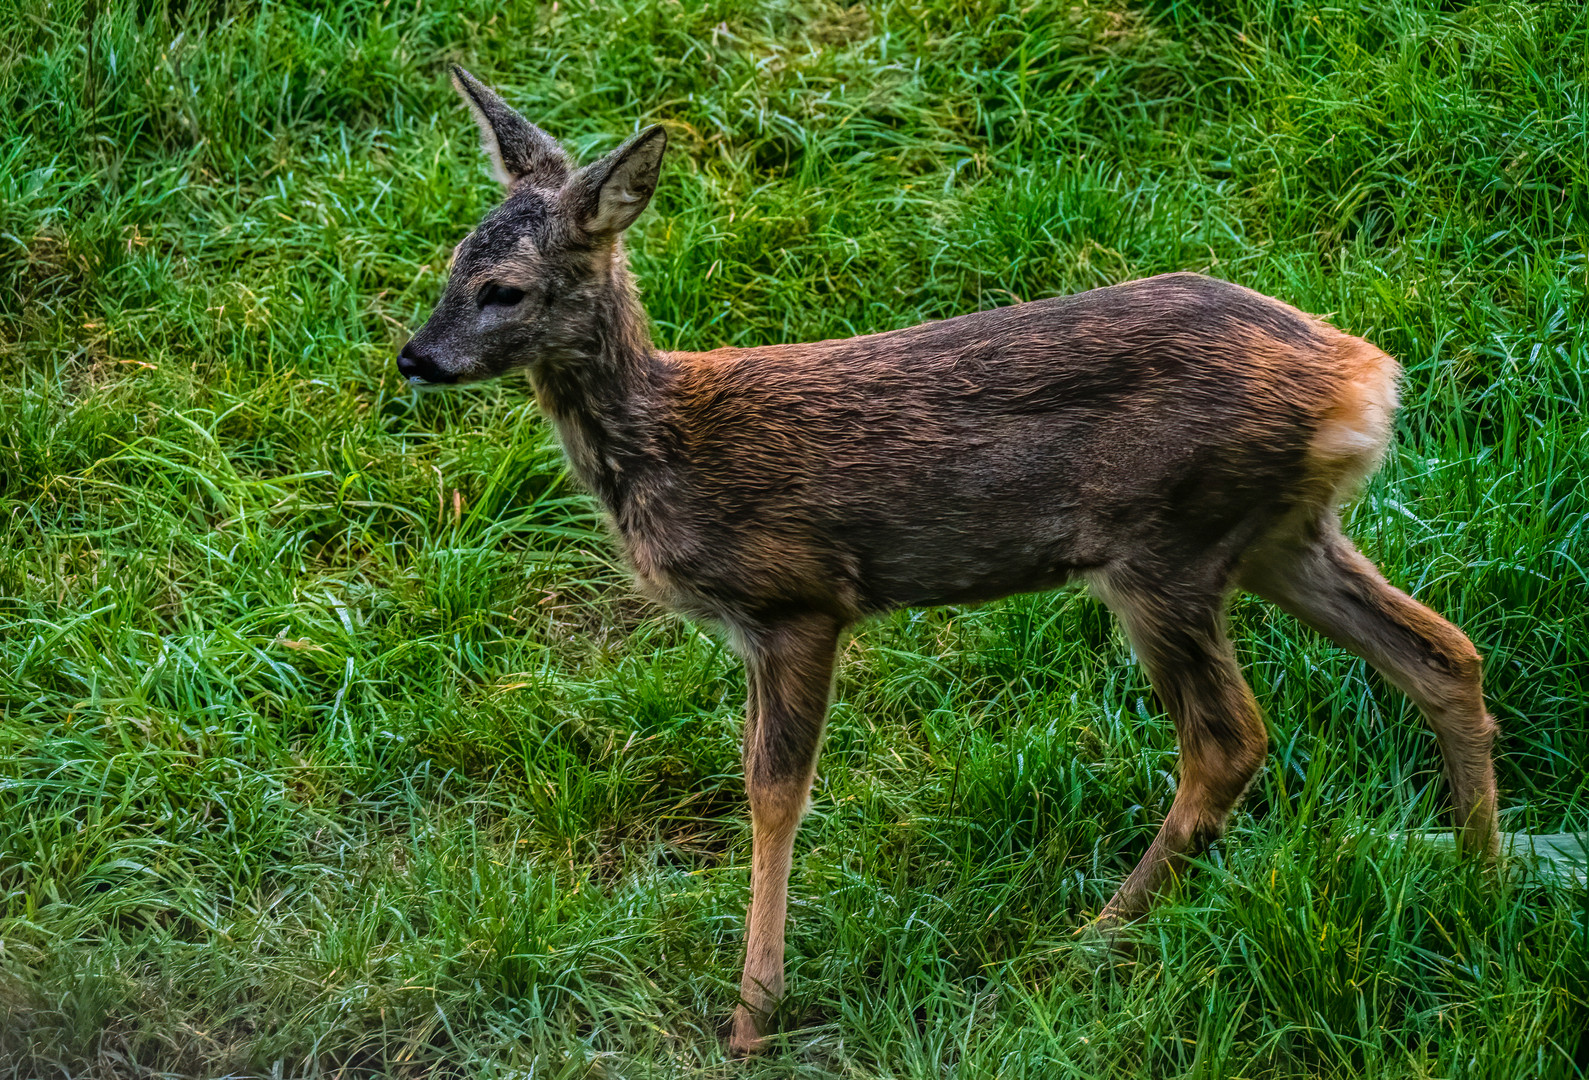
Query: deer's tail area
{"points": [[1355, 427]]}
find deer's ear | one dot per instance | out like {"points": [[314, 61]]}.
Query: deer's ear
{"points": [[518, 149], [609, 194]]}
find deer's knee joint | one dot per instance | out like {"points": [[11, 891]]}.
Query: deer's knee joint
{"points": [[1225, 757], [1247, 763], [777, 798], [1218, 785], [1454, 700]]}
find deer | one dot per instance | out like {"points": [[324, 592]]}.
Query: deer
{"points": [[1166, 442]]}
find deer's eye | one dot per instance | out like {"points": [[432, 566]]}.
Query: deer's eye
{"points": [[500, 296]]}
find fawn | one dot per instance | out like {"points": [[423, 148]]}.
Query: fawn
{"points": [[1167, 441]]}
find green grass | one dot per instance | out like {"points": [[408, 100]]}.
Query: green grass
{"points": [[333, 743]]}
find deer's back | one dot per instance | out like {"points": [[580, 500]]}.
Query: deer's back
{"points": [[1001, 451]]}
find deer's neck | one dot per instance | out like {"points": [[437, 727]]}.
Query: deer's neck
{"points": [[599, 392]]}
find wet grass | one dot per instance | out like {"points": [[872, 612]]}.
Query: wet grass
{"points": [[332, 743]]}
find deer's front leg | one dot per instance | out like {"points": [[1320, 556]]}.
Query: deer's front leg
{"points": [[789, 668]]}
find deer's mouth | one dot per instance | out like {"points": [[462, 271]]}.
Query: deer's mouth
{"points": [[421, 369]]}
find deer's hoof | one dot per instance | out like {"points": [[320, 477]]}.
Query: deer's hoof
{"points": [[1106, 943], [745, 1039]]}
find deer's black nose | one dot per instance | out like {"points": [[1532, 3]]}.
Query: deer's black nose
{"points": [[413, 364]]}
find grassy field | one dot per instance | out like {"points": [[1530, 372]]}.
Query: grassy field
{"points": [[332, 742]]}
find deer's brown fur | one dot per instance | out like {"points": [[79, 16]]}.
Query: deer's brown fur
{"points": [[1166, 440]]}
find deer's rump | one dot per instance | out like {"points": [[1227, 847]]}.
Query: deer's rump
{"points": [[1007, 450]]}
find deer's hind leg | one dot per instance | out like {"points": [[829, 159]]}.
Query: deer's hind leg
{"points": [[1316, 574], [789, 668], [1179, 635]]}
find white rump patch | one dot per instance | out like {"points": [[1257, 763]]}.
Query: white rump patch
{"points": [[1352, 437]]}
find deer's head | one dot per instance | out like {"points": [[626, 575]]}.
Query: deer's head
{"points": [[526, 286]]}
